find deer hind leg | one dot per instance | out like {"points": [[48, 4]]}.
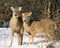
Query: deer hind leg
{"points": [[46, 39], [51, 36], [12, 37]]}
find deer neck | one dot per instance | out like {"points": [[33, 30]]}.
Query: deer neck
{"points": [[26, 25], [29, 22]]}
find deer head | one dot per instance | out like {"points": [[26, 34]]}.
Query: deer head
{"points": [[16, 11], [26, 16]]}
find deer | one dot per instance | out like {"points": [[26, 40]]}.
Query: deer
{"points": [[45, 26], [16, 25]]}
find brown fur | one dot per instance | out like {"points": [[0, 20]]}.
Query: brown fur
{"points": [[45, 26], [16, 25]]}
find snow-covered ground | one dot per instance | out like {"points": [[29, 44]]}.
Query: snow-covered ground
{"points": [[5, 37]]}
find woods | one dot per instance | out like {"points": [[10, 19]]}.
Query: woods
{"points": [[41, 9]]}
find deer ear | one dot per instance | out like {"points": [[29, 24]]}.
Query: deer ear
{"points": [[20, 8], [12, 8], [30, 13]]}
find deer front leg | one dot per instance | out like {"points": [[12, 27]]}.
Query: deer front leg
{"points": [[32, 38], [22, 32], [12, 37], [29, 38], [19, 39]]}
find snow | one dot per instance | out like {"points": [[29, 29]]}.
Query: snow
{"points": [[5, 37]]}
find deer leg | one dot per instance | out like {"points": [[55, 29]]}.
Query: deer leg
{"points": [[20, 38], [32, 38], [12, 37], [22, 31], [46, 39], [29, 38], [52, 36]]}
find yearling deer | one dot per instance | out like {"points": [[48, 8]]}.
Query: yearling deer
{"points": [[45, 26], [16, 25]]}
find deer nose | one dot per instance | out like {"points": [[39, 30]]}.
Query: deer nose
{"points": [[24, 20], [15, 14]]}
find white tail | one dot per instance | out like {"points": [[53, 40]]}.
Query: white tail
{"points": [[45, 26], [16, 25]]}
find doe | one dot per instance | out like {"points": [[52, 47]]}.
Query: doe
{"points": [[45, 26], [16, 25]]}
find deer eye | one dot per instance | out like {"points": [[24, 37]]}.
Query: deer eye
{"points": [[15, 14]]}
